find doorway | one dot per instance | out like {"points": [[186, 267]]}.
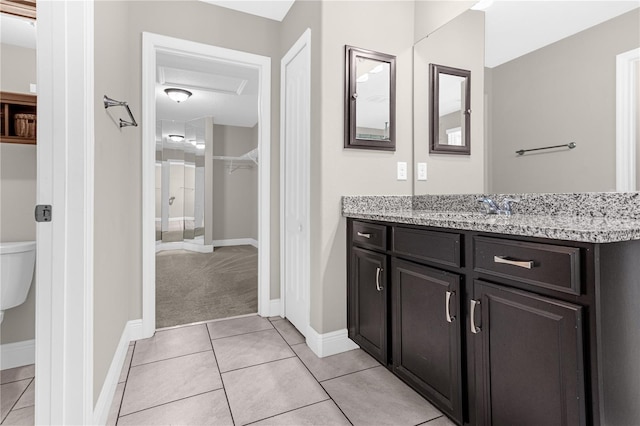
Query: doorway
{"points": [[191, 66]]}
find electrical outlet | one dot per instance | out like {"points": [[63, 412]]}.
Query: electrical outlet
{"points": [[422, 171], [32, 88], [402, 170]]}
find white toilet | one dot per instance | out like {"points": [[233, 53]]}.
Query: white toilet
{"points": [[17, 263]]}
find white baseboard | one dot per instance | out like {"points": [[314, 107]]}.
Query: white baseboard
{"points": [[184, 245], [328, 344], [236, 242], [17, 354], [132, 331], [274, 308]]}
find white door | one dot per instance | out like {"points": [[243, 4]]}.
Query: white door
{"points": [[294, 169]]}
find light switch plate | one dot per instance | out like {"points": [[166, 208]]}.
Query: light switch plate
{"points": [[422, 171], [402, 170]]}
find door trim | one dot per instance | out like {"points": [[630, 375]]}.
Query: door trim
{"points": [[626, 119], [303, 42], [152, 43], [65, 246]]}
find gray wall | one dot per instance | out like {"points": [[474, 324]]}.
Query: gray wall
{"points": [[458, 44], [18, 188], [235, 194], [118, 41], [558, 94], [352, 171], [117, 228]]}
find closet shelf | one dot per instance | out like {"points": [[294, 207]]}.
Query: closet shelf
{"points": [[242, 161]]}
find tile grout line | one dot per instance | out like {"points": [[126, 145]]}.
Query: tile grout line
{"points": [[224, 389], [288, 411], [170, 402], [240, 334], [125, 384], [14, 404], [314, 378], [166, 359], [255, 365], [348, 374]]}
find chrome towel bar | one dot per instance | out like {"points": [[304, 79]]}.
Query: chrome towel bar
{"points": [[569, 145], [108, 102]]}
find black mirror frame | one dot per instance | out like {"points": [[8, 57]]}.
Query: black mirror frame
{"points": [[434, 76], [350, 138]]}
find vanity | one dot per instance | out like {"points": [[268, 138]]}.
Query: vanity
{"points": [[528, 319]]}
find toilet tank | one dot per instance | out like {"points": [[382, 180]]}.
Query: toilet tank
{"points": [[17, 263]]}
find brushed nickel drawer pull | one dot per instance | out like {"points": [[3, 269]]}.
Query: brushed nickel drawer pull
{"points": [[360, 234], [474, 329], [528, 264], [447, 304], [378, 286]]}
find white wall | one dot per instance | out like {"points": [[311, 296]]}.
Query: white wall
{"points": [[18, 187], [458, 44]]}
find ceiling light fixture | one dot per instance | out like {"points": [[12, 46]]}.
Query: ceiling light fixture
{"points": [[178, 95], [176, 138]]}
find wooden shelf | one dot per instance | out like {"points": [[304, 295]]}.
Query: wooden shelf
{"points": [[23, 8], [10, 105]]}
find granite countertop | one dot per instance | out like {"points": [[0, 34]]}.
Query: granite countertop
{"points": [[586, 226]]}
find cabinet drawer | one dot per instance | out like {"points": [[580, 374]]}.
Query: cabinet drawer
{"points": [[544, 265], [440, 247], [369, 235]]}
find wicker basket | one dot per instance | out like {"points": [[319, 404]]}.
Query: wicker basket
{"points": [[25, 125]]}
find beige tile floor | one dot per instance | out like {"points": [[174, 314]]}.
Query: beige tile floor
{"points": [[254, 370], [17, 395], [241, 371]]}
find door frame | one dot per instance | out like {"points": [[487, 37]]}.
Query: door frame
{"points": [[626, 119], [151, 44], [303, 42], [65, 246]]}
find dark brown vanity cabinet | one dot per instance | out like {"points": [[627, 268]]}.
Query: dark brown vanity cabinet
{"points": [[368, 293], [426, 333], [529, 355], [500, 330]]}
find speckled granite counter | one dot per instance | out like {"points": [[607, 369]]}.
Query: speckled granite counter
{"points": [[588, 217]]}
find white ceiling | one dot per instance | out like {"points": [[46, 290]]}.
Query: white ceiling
{"points": [[514, 28], [226, 92], [271, 9], [17, 31]]}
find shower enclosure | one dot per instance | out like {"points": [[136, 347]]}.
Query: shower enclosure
{"points": [[180, 184]]}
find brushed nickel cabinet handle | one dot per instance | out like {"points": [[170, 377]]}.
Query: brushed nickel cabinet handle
{"points": [[360, 234], [527, 264], [378, 286], [474, 329], [447, 304]]}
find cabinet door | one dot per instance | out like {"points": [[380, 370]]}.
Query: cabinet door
{"points": [[368, 302], [426, 333], [529, 358]]}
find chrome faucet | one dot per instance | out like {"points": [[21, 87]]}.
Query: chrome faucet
{"points": [[491, 207]]}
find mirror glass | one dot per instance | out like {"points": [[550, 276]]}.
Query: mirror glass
{"points": [[369, 100], [449, 99], [372, 103], [180, 181], [548, 76]]}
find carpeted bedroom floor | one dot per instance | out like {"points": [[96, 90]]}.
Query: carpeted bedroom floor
{"points": [[192, 287]]}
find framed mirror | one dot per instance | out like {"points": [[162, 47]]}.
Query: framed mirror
{"points": [[370, 100], [450, 102]]}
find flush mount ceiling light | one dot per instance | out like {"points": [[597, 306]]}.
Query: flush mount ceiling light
{"points": [[178, 95], [482, 5], [176, 138]]}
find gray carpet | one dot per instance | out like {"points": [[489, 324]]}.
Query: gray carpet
{"points": [[192, 287]]}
